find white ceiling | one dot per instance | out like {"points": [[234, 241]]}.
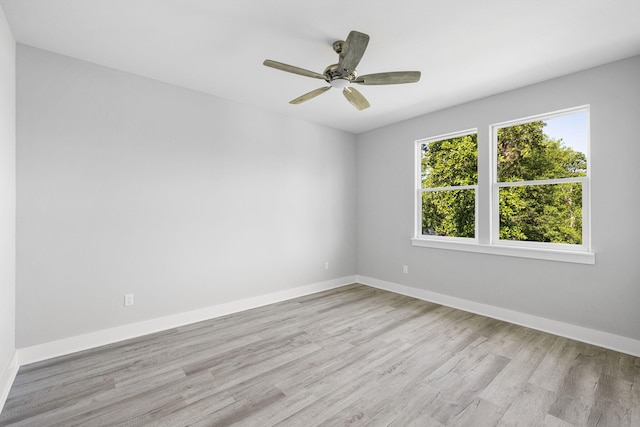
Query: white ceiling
{"points": [[466, 49]]}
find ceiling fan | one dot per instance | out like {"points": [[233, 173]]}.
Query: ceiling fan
{"points": [[343, 74]]}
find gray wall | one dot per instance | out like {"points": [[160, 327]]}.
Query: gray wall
{"points": [[604, 296], [128, 185], [7, 193]]}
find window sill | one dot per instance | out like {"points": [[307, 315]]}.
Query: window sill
{"points": [[545, 254]]}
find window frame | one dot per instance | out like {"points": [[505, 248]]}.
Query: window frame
{"points": [[487, 220], [497, 185], [421, 190]]}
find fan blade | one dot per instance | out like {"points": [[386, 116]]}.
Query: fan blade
{"points": [[391, 78], [355, 98], [308, 96], [352, 52], [291, 69]]}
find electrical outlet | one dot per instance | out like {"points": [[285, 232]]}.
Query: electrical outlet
{"points": [[128, 299], [405, 269], [326, 265]]}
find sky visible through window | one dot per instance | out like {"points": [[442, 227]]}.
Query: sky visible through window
{"points": [[572, 128]]}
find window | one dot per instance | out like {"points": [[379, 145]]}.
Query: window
{"points": [[448, 185], [533, 186], [540, 180]]}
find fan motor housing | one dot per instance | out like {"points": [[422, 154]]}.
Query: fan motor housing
{"points": [[332, 72]]}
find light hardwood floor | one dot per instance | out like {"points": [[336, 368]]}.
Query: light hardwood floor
{"points": [[351, 356]]}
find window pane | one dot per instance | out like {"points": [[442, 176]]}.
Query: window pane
{"points": [[543, 149], [450, 162], [542, 213], [449, 213]]}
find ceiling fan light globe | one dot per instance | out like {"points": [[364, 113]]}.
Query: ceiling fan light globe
{"points": [[339, 83]]}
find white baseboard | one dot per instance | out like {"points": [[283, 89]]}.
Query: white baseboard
{"points": [[578, 333], [70, 345], [6, 379]]}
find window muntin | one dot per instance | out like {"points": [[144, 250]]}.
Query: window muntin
{"points": [[541, 186], [448, 185]]}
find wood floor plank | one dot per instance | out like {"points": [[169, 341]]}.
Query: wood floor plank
{"points": [[635, 396], [477, 413], [345, 385], [530, 407], [553, 368], [551, 421], [515, 376], [578, 391], [354, 356], [612, 402]]}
